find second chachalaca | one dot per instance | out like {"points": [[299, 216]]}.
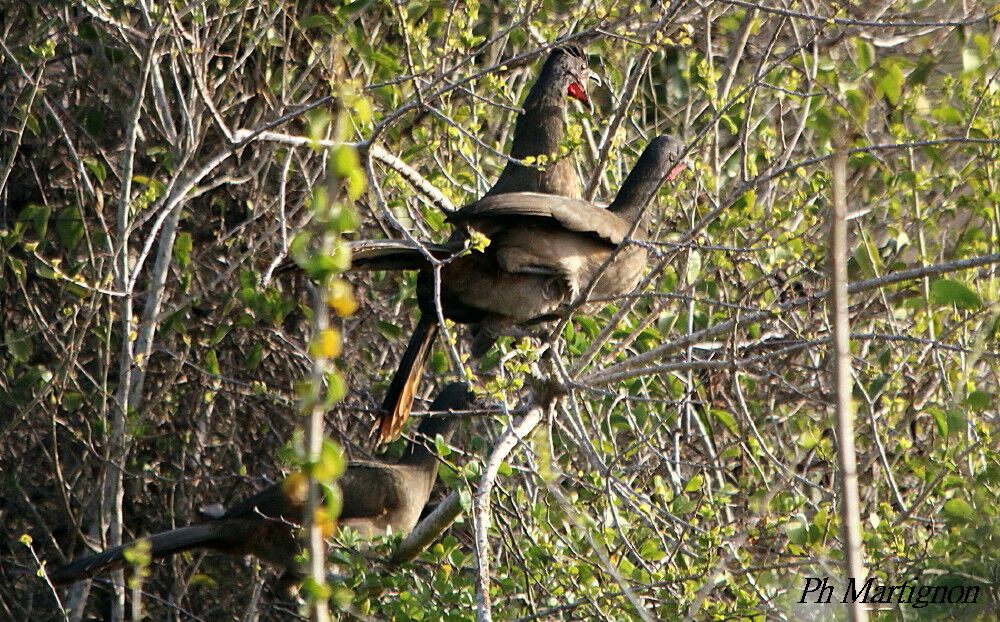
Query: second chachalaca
{"points": [[375, 496], [544, 251]]}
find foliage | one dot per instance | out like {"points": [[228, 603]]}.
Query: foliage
{"points": [[152, 338]]}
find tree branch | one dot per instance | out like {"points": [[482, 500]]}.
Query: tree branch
{"points": [[621, 371]]}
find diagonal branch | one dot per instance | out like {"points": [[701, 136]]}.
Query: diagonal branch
{"points": [[621, 371]]}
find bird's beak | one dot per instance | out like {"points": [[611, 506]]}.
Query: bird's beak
{"points": [[578, 90]]}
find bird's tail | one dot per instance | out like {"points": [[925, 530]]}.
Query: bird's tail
{"points": [[399, 398], [160, 545]]}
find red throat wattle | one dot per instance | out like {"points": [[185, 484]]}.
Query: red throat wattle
{"points": [[674, 172], [576, 91]]}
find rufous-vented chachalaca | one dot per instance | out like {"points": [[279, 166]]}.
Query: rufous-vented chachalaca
{"points": [[541, 128], [544, 251], [538, 133], [376, 496]]}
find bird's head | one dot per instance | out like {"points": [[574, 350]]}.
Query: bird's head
{"points": [[566, 73]]}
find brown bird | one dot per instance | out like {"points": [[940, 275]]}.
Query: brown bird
{"points": [[541, 127], [544, 251], [375, 496], [538, 132]]}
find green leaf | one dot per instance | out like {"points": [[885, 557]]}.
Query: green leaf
{"points": [[958, 510], [441, 447], [38, 215], [746, 201], [889, 80], [203, 581], [69, 227], [796, 532], [336, 388], [867, 258], [439, 362], [317, 21], [979, 400], [182, 249], [434, 218], [465, 498], [947, 115], [388, 330], [71, 401], [344, 219], [810, 438], [951, 292], [957, 420], [46, 272], [96, 168], [18, 344], [319, 267], [725, 419], [948, 421], [212, 362], [17, 268], [651, 551], [941, 419], [857, 103], [253, 358], [344, 161], [693, 267], [821, 122], [331, 462], [31, 122], [865, 54]]}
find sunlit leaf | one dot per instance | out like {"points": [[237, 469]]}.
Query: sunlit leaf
{"points": [[951, 292]]}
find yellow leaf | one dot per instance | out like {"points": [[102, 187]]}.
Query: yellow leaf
{"points": [[326, 344], [341, 299]]}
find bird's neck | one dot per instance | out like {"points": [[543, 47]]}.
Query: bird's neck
{"points": [[632, 198], [420, 452], [538, 131]]}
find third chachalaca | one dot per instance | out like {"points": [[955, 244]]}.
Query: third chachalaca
{"points": [[376, 496], [544, 251]]}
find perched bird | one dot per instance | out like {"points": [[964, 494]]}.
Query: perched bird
{"points": [[538, 133], [541, 128], [544, 251], [375, 496]]}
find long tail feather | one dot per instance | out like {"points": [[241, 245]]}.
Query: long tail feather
{"points": [[160, 545], [399, 398]]}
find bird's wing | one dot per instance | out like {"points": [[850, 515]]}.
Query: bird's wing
{"points": [[489, 214]]}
